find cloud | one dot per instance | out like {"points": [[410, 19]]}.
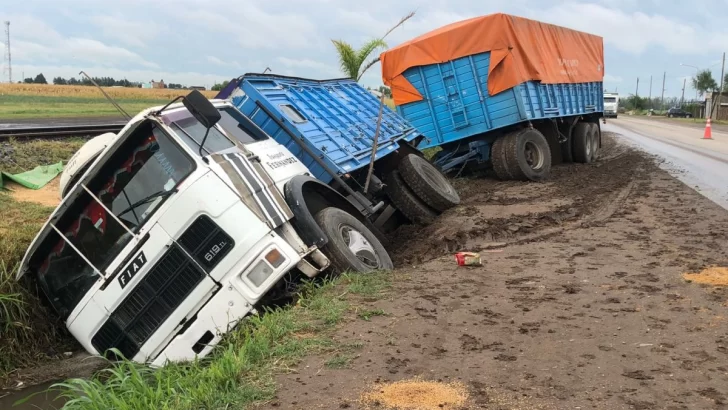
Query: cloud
{"points": [[633, 32], [126, 31], [612, 78], [252, 27], [214, 60], [325, 70], [35, 41]]}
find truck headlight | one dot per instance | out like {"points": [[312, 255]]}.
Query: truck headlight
{"points": [[260, 272]]}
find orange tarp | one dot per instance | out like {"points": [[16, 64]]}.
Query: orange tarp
{"points": [[520, 50]]}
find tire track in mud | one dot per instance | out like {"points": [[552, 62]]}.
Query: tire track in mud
{"points": [[576, 196]]}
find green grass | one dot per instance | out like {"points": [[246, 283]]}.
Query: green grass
{"points": [[339, 361], [28, 155], [40, 106], [241, 371], [368, 314], [26, 333]]}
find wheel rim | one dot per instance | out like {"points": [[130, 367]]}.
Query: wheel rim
{"points": [[359, 246], [588, 146], [534, 156]]}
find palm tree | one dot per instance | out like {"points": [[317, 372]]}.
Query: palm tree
{"points": [[353, 62]]}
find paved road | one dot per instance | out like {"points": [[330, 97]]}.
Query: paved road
{"points": [[699, 163]]}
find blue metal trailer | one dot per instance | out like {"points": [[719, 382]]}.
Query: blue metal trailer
{"points": [[459, 115], [337, 119], [331, 126], [501, 90]]}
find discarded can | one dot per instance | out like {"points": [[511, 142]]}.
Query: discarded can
{"points": [[468, 259]]}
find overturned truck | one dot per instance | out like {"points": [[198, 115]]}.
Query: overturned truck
{"points": [[176, 228]]}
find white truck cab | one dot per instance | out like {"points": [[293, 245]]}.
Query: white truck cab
{"points": [[611, 105], [180, 226]]}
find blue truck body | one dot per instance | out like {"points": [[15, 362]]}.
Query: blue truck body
{"points": [[457, 108], [336, 119]]}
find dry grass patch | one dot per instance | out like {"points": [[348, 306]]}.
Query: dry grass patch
{"points": [[712, 275], [418, 395]]}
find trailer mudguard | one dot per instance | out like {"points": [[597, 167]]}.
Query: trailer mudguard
{"points": [[306, 196]]}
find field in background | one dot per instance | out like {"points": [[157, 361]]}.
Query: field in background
{"points": [[42, 100]]}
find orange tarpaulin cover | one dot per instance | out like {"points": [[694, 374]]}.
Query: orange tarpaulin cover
{"points": [[520, 50]]}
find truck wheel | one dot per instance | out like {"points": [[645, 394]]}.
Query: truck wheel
{"points": [[498, 159], [524, 155], [428, 183], [594, 134], [351, 246], [407, 202], [582, 143]]}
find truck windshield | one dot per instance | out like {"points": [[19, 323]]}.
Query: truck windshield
{"points": [[610, 99], [132, 184], [233, 123]]}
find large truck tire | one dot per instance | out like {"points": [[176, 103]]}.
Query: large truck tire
{"points": [[407, 202], [594, 133], [523, 155], [352, 246], [429, 184], [582, 143], [498, 159]]}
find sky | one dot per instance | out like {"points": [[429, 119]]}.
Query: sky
{"points": [[196, 42]]}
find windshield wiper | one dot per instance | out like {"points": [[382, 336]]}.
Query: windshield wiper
{"points": [[147, 199]]}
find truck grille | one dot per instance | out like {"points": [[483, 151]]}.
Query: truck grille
{"points": [[153, 300], [206, 242]]}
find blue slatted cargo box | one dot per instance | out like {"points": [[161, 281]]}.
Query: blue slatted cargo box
{"points": [[337, 119], [467, 84]]}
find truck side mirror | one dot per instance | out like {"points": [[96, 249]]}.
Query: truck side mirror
{"points": [[202, 109]]}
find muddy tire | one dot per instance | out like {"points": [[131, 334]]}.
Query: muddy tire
{"points": [[523, 155], [498, 159], [582, 143], [407, 202], [352, 246], [429, 184], [594, 134]]}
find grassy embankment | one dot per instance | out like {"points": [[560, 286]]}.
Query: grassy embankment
{"points": [[27, 334], [19, 101], [241, 371]]}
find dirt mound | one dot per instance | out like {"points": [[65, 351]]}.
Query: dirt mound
{"points": [[417, 395], [713, 275], [502, 211], [48, 195]]}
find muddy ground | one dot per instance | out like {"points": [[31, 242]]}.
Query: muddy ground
{"points": [[580, 302]]}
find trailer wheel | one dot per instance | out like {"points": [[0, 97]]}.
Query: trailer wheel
{"points": [[498, 159], [407, 202], [527, 155], [595, 137], [428, 183], [582, 143], [351, 246]]}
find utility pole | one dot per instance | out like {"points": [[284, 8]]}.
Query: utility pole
{"points": [[650, 97], [662, 98], [683, 92], [720, 90], [637, 90], [8, 61]]}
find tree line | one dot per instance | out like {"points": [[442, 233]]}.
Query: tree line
{"points": [[102, 81]]}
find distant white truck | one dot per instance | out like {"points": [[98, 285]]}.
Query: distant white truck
{"points": [[611, 105]]}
